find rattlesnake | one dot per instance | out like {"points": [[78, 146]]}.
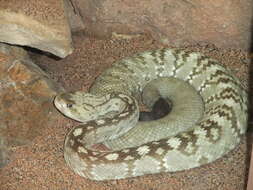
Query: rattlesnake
{"points": [[208, 116]]}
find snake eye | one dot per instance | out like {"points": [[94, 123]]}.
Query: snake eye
{"points": [[69, 105]]}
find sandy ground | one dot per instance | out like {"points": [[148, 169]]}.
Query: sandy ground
{"points": [[41, 165]]}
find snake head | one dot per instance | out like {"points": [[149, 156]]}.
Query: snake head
{"points": [[76, 105], [85, 107]]}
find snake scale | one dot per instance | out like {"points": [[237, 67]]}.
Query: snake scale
{"points": [[207, 119]]}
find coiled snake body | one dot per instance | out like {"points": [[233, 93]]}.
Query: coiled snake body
{"points": [[207, 120]]}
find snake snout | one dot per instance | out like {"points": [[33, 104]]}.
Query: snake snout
{"points": [[62, 103]]}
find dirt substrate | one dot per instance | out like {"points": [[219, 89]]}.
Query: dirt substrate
{"points": [[41, 165]]}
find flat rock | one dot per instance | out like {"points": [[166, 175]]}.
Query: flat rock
{"points": [[225, 23], [25, 99], [38, 24]]}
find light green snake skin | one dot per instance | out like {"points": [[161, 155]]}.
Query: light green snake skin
{"points": [[207, 120]]}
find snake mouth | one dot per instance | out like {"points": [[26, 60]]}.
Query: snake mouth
{"points": [[59, 103]]}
